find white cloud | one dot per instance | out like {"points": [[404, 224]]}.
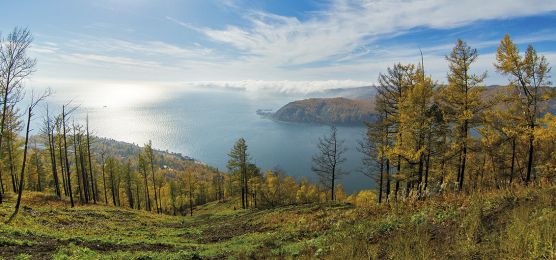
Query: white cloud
{"points": [[348, 25], [279, 86], [331, 48]]}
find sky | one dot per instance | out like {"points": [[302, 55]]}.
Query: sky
{"points": [[282, 45]]}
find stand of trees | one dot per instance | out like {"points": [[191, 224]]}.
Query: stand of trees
{"points": [[462, 136]]}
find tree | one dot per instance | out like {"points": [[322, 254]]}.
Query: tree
{"points": [[373, 150], [326, 164], [34, 102], [143, 168], [93, 177], [103, 169], [128, 180], [15, 67], [81, 183], [414, 126], [529, 75], [190, 182], [64, 130], [391, 93], [149, 154], [114, 177], [238, 162], [58, 137], [49, 132], [10, 154], [461, 99]]}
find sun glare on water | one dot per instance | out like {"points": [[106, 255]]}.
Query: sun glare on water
{"points": [[123, 95]]}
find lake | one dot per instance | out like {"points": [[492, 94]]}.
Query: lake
{"points": [[205, 123]]}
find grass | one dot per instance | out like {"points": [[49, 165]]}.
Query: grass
{"points": [[500, 224]]}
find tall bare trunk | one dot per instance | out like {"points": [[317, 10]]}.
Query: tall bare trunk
{"points": [[66, 155], [22, 173]]}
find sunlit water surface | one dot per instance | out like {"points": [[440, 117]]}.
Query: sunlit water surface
{"points": [[204, 124]]}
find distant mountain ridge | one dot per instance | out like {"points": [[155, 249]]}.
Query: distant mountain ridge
{"points": [[348, 106], [339, 110]]}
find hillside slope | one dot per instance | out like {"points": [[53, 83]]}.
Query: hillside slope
{"points": [[520, 224], [326, 111]]}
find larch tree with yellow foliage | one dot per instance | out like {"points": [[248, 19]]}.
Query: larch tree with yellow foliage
{"points": [[461, 101], [529, 74]]}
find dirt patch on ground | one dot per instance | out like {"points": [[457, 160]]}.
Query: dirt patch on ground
{"points": [[128, 247], [227, 231], [44, 247]]}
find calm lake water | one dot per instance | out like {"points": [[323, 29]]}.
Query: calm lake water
{"points": [[204, 124]]}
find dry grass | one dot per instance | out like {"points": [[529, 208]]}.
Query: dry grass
{"points": [[517, 224]]}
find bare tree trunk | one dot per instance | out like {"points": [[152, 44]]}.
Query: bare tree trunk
{"points": [[104, 179], [93, 180], [1, 185], [129, 188], [512, 167], [380, 184], [64, 178], [113, 185], [147, 196], [22, 173], [12, 169], [79, 177], [52, 151], [38, 169], [154, 185], [85, 178], [138, 197], [190, 195], [66, 155], [246, 180], [530, 155], [464, 157]]}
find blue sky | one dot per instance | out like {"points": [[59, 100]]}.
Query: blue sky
{"points": [[287, 45]]}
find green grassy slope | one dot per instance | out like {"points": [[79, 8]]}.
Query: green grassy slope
{"points": [[519, 224]]}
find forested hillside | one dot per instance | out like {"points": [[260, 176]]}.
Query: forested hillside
{"points": [[341, 111]]}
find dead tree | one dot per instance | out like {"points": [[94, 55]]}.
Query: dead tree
{"points": [[61, 154], [34, 102], [77, 172], [103, 166], [143, 168], [68, 171], [326, 164], [150, 156], [129, 190], [93, 179], [49, 131], [85, 176]]}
